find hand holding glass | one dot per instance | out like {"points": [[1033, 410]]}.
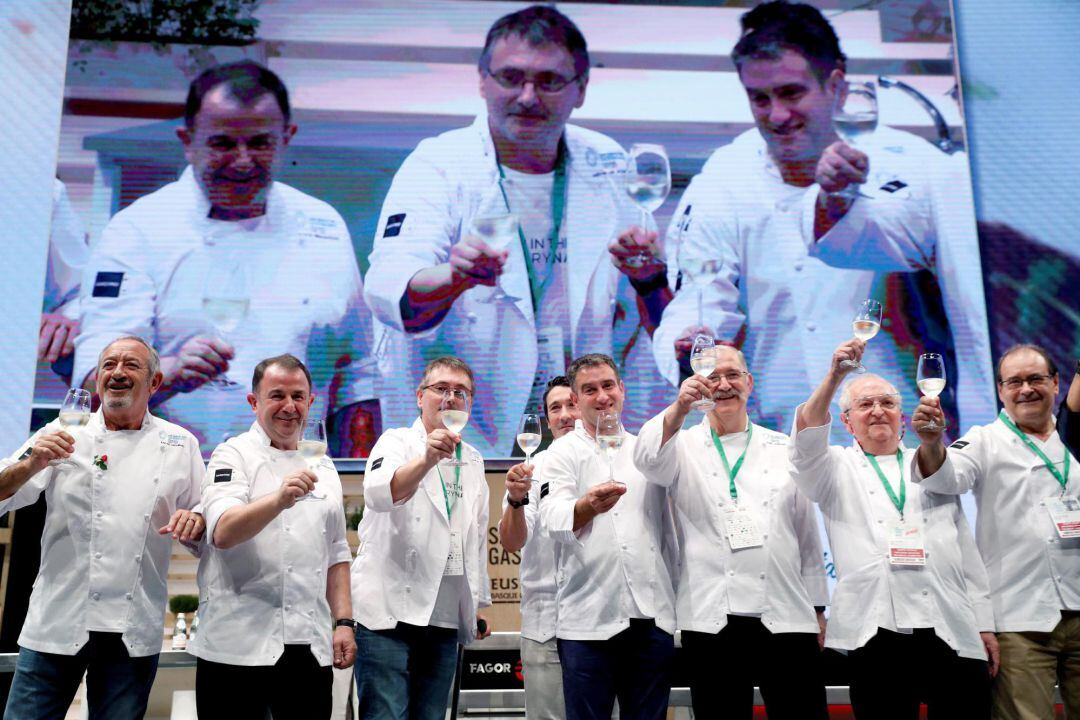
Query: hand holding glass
{"points": [[609, 436], [454, 413], [529, 435], [931, 380], [74, 413], [648, 182], [866, 324], [703, 362], [854, 115]]}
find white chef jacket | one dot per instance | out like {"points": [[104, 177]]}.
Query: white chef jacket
{"points": [[404, 546], [536, 573], [782, 580], [795, 297], [146, 277], [434, 196], [614, 568], [68, 253], [1033, 573], [949, 594], [269, 591], [104, 567]]}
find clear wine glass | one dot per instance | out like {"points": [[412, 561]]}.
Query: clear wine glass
{"points": [[703, 362], [454, 413], [931, 380], [312, 447], [609, 436], [648, 182], [74, 414], [225, 303], [529, 435], [866, 324], [854, 115]]}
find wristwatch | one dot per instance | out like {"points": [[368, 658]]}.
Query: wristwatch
{"points": [[345, 622], [517, 503]]}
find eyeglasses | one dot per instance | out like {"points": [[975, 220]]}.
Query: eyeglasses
{"points": [[732, 376], [866, 404], [513, 79], [1035, 381], [443, 388]]}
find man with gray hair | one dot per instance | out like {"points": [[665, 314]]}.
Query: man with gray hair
{"points": [[912, 592], [120, 486]]}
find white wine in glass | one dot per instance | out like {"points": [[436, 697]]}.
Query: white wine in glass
{"points": [[866, 324], [854, 116], [225, 303], [703, 362], [454, 414], [529, 435], [312, 447], [930, 378], [74, 414], [648, 182], [609, 437]]}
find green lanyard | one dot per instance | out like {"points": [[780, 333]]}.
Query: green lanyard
{"points": [[1063, 479], [558, 204], [733, 471], [898, 502], [457, 483]]}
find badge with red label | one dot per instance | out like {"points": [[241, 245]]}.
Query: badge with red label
{"points": [[1065, 514], [906, 546]]}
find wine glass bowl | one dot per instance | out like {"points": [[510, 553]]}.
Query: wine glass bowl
{"points": [[74, 414], [648, 182], [529, 435], [854, 116], [931, 380], [454, 414], [312, 447], [703, 362], [864, 326], [609, 438]]}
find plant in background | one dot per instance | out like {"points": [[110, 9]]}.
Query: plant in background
{"points": [[183, 604], [353, 516]]}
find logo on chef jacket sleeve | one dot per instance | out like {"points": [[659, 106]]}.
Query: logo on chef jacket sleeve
{"points": [[393, 225]]}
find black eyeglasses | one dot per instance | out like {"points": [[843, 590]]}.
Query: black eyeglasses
{"points": [[514, 79]]}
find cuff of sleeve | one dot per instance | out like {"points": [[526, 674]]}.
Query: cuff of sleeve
{"points": [[809, 438], [213, 512]]}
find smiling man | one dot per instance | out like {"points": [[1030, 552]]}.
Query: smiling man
{"points": [[1026, 485], [911, 593], [274, 606], [198, 267], [434, 283], [772, 260], [118, 491], [615, 604], [751, 572]]}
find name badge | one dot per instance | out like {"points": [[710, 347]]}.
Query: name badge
{"points": [[741, 528], [1065, 514], [906, 545], [455, 561]]}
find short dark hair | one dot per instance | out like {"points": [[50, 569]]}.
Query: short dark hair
{"points": [[452, 363], [540, 25], [587, 361], [773, 27], [557, 381], [286, 362], [1050, 364], [246, 81]]}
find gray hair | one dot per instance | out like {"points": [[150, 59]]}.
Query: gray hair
{"points": [[846, 393], [155, 360], [738, 355]]}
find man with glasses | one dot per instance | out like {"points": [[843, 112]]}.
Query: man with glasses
{"points": [[615, 619], [1026, 484], [911, 603], [520, 529], [517, 307], [421, 573], [751, 573]]}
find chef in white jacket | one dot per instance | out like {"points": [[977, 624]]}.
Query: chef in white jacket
{"points": [[517, 318], [751, 574], [770, 258]]}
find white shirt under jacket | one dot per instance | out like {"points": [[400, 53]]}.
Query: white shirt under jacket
{"points": [[1033, 573], [949, 594], [537, 570], [104, 567], [614, 568], [780, 581], [269, 591], [404, 545]]}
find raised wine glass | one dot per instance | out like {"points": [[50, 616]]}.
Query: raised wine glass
{"points": [[648, 182], [609, 436], [930, 378], [703, 362], [454, 413], [866, 324], [854, 116]]}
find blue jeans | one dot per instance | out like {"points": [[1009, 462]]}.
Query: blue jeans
{"points": [[117, 686], [634, 666], [405, 673]]}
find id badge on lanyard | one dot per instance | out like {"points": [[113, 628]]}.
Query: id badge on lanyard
{"points": [[906, 544], [741, 528], [1065, 514]]}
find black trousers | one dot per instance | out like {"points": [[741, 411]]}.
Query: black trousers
{"points": [[724, 668], [893, 672], [295, 687]]}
